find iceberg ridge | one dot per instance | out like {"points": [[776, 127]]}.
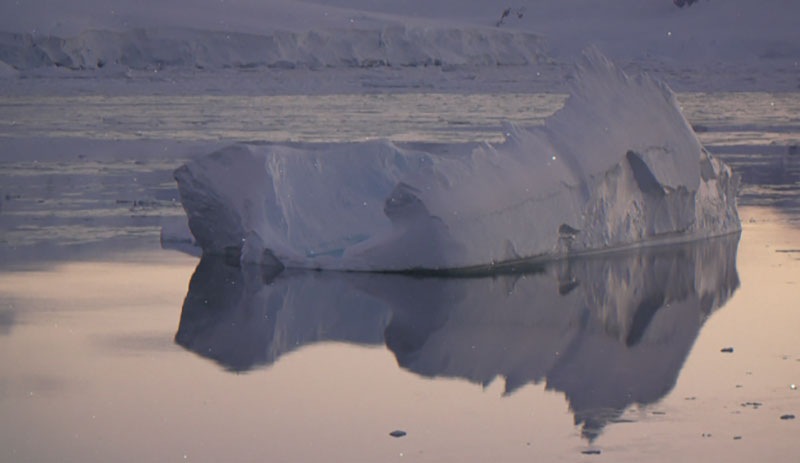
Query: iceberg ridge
{"points": [[617, 166]]}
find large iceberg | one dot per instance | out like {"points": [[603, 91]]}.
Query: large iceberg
{"points": [[617, 166]]}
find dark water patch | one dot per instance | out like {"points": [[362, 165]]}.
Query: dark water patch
{"points": [[768, 180]]}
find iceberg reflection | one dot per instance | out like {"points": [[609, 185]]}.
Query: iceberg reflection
{"points": [[608, 331]]}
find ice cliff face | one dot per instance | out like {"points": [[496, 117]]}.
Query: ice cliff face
{"points": [[617, 166], [156, 48]]}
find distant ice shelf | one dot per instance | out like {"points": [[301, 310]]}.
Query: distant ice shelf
{"points": [[617, 166], [172, 47]]}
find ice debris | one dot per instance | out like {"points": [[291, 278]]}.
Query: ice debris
{"points": [[617, 166]]}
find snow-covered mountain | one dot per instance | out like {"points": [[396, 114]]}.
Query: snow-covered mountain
{"points": [[711, 37], [157, 48]]}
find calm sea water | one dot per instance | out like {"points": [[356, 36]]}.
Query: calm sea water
{"points": [[723, 118], [113, 349], [77, 169]]}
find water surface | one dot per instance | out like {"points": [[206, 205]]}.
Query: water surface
{"points": [[114, 349]]}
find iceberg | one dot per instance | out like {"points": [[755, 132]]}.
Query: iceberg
{"points": [[618, 166]]}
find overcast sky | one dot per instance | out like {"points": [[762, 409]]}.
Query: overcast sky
{"points": [[68, 17]]}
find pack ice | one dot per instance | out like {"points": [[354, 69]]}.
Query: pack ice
{"points": [[617, 166]]}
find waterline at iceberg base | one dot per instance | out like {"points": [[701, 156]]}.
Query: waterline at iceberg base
{"points": [[617, 166]]}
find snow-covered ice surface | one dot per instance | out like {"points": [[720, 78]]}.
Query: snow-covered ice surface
{"points": [[189, 48], [618, 165], [739, 44]]}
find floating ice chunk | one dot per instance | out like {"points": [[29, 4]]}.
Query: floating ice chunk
{"points": [[617, 166]]}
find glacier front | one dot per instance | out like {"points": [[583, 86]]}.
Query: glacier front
{"points": [[617, 166]]}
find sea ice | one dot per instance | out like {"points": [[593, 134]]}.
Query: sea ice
{"points": [[617, 166]]}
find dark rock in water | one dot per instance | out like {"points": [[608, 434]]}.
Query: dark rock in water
{"points": [[727, 350], [591, 452], [787, 417], [397, 433]]}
